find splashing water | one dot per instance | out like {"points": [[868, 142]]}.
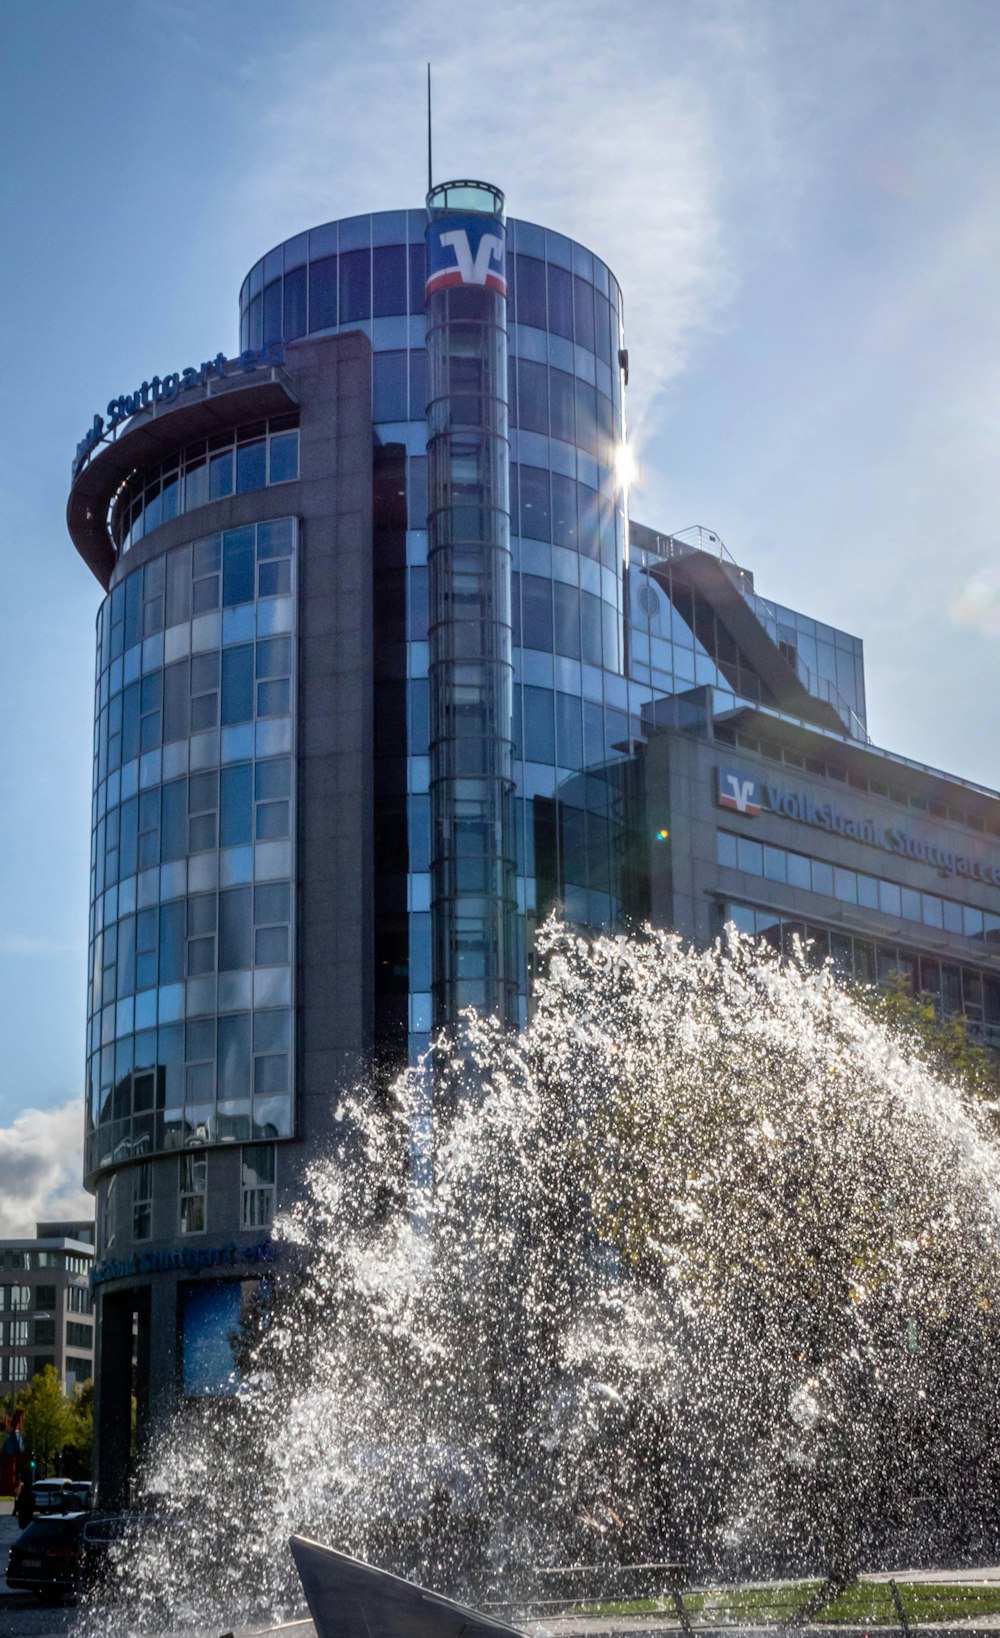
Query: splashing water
{"points": [[707, 1275]]}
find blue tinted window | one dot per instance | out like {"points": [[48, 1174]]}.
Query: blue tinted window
{"points": [[822, 877], [586, 416], [750, 856], [237, 684], [418, 384], [602, 328], [133, 609], [609, 622], [173, 820], [562, 396], [539, 725], [583, 312], [355, 282], [417, 262], [173, 931], [529, 285], [420, 832], [533, 485], [563, 511], [254, 322], [725, 849], [130, 722], [566, 607], [417, 491], [569, 731], [235, 929], [295, 304], [238, 566], [274, 657], [389, 387], [323, 293], [590, 629], [560, 288], [388, 281], [220, 475], [284, 457], [272, 311], [251, 466], [536, 612], [590, 524], [236, 824], [532, 396]]}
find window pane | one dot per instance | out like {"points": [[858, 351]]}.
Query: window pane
{"points": [[251, 466], [323, 293], [235, 929], [529, 286], [238, 562], [236, 827], [237, 684], [388, 281], [355, 294], [284, 457], [560, 289], [389, 387]]}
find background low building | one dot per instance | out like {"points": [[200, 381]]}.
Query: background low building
{"points": [[46, 1307]]}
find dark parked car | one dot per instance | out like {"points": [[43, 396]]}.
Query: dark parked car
{"points": [[59, 1557]]}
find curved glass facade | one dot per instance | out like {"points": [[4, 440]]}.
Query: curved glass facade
{"points": [[190, 1037], [574, 711], [229, 463]]}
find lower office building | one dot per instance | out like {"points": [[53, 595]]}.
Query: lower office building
{"points": [[384, 673], [46, 1307]]}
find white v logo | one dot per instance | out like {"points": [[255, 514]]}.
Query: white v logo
{"points": [[473, 272]]}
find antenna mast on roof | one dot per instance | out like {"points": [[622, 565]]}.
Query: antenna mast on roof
{"points": [[430, 179]]}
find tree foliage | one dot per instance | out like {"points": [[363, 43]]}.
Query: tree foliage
{"points": [[48, 1418]]}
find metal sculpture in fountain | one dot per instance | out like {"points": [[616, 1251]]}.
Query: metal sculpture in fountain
{"points": [[347, 1597]]}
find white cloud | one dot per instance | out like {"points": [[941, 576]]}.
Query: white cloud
{"points": [[41, 1159]]}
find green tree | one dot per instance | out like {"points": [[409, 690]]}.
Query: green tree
{"points": [[947, 1045], [48, 1418], [81, 1437]]}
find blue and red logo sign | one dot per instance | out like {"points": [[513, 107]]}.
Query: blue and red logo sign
{"points": [[466, 249]]}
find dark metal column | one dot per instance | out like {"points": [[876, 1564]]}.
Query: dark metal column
{"points": [[469, 572]]}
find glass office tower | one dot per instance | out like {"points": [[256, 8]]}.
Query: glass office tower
{"points": [[384, 674]]}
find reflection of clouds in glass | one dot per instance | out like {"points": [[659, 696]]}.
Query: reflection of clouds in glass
{"points": [[978, 603]]}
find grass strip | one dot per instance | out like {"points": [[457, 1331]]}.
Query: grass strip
{"points": [[865, 1603]]}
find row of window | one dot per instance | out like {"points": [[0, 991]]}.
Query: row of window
{"points": [[231, 931], [14, 1334], [71, 1261], [218, 571], [210, 1058], [556, 404], [560, 619], [231, 806], [956, 989], [257, 1190], [779, 864], [547, 505], [20, 1298], [228, 463], [388, 281]]}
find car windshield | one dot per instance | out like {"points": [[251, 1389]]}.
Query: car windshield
{"points": [[45, 1532]]}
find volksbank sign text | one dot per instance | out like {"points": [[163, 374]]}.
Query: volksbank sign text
{"points": [[743, 793], [165, 389]]}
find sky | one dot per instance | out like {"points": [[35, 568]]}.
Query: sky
{"points": [[801, 202]]}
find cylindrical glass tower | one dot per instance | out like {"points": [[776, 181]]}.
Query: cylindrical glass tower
{"points": [[469, 582]]}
